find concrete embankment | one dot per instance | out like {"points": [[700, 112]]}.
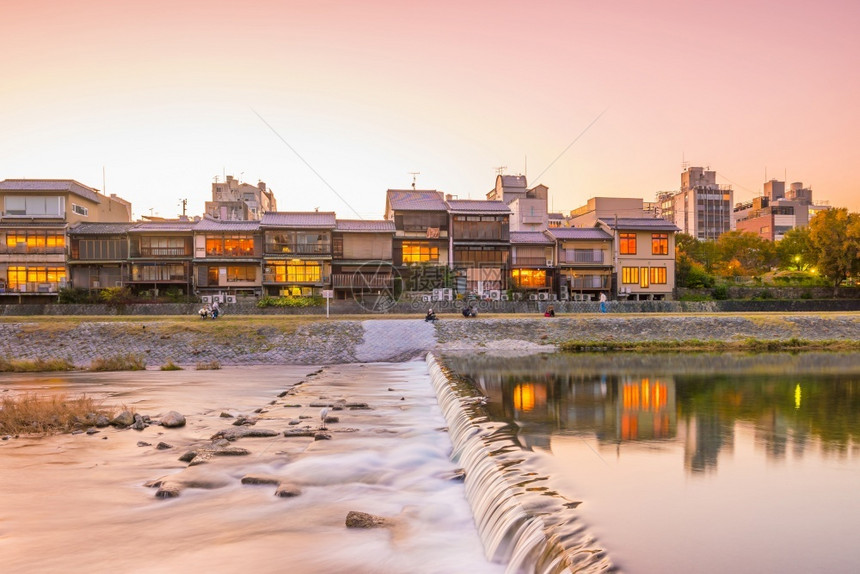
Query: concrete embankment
{"points": [[329, 341]]}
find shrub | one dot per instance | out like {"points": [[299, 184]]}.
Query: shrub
{"points": [[212, 365], [294, 302], [806, 295], [34, 365], [762, 295], [170, 366], [33, 414], [126, 362], [76, 295], [720, 292], [115, 295]]}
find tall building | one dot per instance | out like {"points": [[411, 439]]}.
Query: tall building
{"points": [[234, 201], [777, 211], [606, 208], [529, 209], [703, 208]]}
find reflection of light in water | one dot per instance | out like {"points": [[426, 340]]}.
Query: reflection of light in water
{"points": [[644, 395], [524, 397], [797, 397]]}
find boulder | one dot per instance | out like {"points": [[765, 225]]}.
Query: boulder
{"points": [[102, 421], [123, 419], [232, 434], [172, 419], [355, 519], [285, 490], [260, 479]]}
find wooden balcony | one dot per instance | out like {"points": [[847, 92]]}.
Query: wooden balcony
{"points": [[318, 249], [362, 281]]}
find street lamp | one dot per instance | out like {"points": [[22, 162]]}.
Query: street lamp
{"points": [[797, 262]]}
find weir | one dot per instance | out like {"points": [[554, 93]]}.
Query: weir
{"points": [[521, 521]]}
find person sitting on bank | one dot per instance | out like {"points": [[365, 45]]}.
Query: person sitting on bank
{"points": [[431, 316], [470, 311], [550, 312]]}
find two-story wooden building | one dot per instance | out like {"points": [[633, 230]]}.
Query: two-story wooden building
{"points": [[583, 257], [480, 245], [420, 248], [644, 265], [228, 258], [532, 262], [361, 258], [160, 256], [297, 252], [98, 255]]}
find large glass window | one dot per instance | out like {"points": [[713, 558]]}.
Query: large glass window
{"points": [[243, 274], [658, 275], [630, 275], [420, 252], [35, 239], [164, 246], [236, 245], [296, 271], [529, 278], [659, 244], [18, 276], [643, 277], [627, 243]]}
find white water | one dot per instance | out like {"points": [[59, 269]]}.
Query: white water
{"points": [[521, 523], [77, 504]]}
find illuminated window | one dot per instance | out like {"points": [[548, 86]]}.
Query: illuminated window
{"points": [[524, 397], [658, 275], [297, 271], [643, 277], [21, 275], [213, 275], [627, 243], [420, 252], [535, 278], [241, 274], [630, 275], [35, 239], [659, 244]]}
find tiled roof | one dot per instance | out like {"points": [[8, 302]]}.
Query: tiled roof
{"points": [[588, 233], [555, 215], [530, 237], [416, 200], [514, 181], [477, 206], [68, 185], [365, 225], [28, 224], [149, 226], [312, 219], [100, 229], [640, 223], [226, 226]]}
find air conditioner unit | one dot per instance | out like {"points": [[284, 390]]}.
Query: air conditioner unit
{"points": [[565, 293], [425, 298], [206, 299], [231, 298], [533, 297], [505, 297], [543, 296], [495, 295], [549, 262], [447, 294], [117, 283], [96, 284]]}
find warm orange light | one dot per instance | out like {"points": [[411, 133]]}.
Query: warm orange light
{"points": [[524, 397]]}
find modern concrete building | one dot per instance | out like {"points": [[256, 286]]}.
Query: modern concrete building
{"points": [[775, 212], [598, 208], [232, 200], [703, 208]]}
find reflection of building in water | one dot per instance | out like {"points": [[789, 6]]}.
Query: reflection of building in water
{"points": [[647, 409], [704, 437], [613, 407]]}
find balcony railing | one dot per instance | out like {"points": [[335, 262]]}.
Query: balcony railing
{"points": [[531, 261], [359, 280], [273, 278], [163, 252], [589, 282], [25, 250], [299, 248], [233, 253], [33, 287], [586, 256]]}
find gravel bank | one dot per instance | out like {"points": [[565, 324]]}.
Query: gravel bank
{"points": [[393, 340]]}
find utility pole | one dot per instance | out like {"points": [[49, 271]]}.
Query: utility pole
{"points": [[414, 175], [183, 203]]}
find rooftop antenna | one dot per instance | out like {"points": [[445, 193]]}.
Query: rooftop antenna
{"points": [[414, 175], [104, 183], [526, 168], [684, 163], [500, 170], [183, 203]]}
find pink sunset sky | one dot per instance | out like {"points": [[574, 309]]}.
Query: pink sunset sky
{"points": [[160, 97]]}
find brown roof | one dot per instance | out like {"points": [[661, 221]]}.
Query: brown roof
{"points": [[416, 200], [531, 237], [311, 219], [477, 206], [365, 225], [588, 233], [68, 185], [640, 224]]}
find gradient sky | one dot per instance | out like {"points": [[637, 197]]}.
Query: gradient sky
{"points": [[163, 96]]}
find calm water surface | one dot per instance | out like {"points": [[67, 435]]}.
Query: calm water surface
{"points": [[696, 464]]}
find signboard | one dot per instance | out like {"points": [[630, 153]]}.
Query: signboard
{"points": [[328, 293]]}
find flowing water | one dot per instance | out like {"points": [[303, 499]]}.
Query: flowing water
{"points": [[77, 503], [674, 463]]}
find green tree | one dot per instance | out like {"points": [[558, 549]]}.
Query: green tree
{"points": [[835, 238], [794, 250]]}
